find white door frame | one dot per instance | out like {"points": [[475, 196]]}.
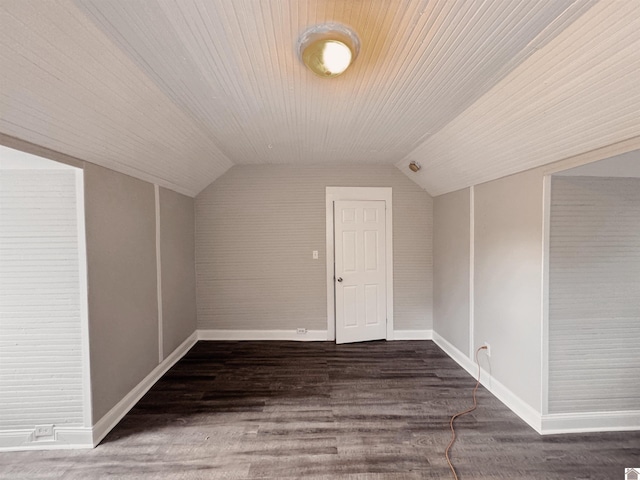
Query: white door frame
{"points": [[87, 399], [358, 193], [546, 265]]}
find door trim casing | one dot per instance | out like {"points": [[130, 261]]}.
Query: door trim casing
{"points": [[358, 193]]}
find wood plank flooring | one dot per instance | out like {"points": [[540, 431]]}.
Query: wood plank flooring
{"points": [[283, 410]]}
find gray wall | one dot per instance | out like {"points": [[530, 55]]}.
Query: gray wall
{"points": [[507, 277], [256, 227], [594, 295], [451, 267], [120, 216], [123, 283], [508, 280], [123, 305], [177, 246], [593, 313]]}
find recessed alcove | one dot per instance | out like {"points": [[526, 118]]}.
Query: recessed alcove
{"points": [[594, 287]]}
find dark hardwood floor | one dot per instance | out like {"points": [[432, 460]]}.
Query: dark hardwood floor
{"points": [[281, 410]]}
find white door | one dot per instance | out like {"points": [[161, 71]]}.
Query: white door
{"points": [[360, 277]]}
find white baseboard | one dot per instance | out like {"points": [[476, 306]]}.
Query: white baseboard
{"points": [[527, 413], [590, 422], [113, 416], [86, 437], [62, 438], [549, 424], [310, 336], [413, 335]]}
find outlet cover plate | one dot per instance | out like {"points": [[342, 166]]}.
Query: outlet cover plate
{"points": [[43, 431]]}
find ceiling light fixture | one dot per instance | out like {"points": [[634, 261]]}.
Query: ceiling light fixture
{"points": [[328, 49], [414, 166]]}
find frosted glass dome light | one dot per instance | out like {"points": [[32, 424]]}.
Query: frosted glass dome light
{"points": [[336, 56], [328, 49]]}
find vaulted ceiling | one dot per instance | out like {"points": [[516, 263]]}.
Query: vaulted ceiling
{"points": [[178, 91]]}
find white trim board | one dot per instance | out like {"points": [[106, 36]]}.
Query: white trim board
{"points": [[113, 416], [156, 192], [591, 156], [63, 438], [590, 422], [87, 403], [358, 193], [293, 335], [546, 241], [413, 335], [543, 424], [472, 269]]}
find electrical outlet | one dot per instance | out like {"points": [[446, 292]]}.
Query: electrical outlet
{"points": [[43, 431], [301, 331], [487, 349]]}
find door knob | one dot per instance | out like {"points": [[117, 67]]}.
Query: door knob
{"points": [[339, 279]]}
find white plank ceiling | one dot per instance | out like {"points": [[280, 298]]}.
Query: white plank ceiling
{"points": [[176, 92]]}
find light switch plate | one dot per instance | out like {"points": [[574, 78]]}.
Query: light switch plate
{"points": [[315, 254]]}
